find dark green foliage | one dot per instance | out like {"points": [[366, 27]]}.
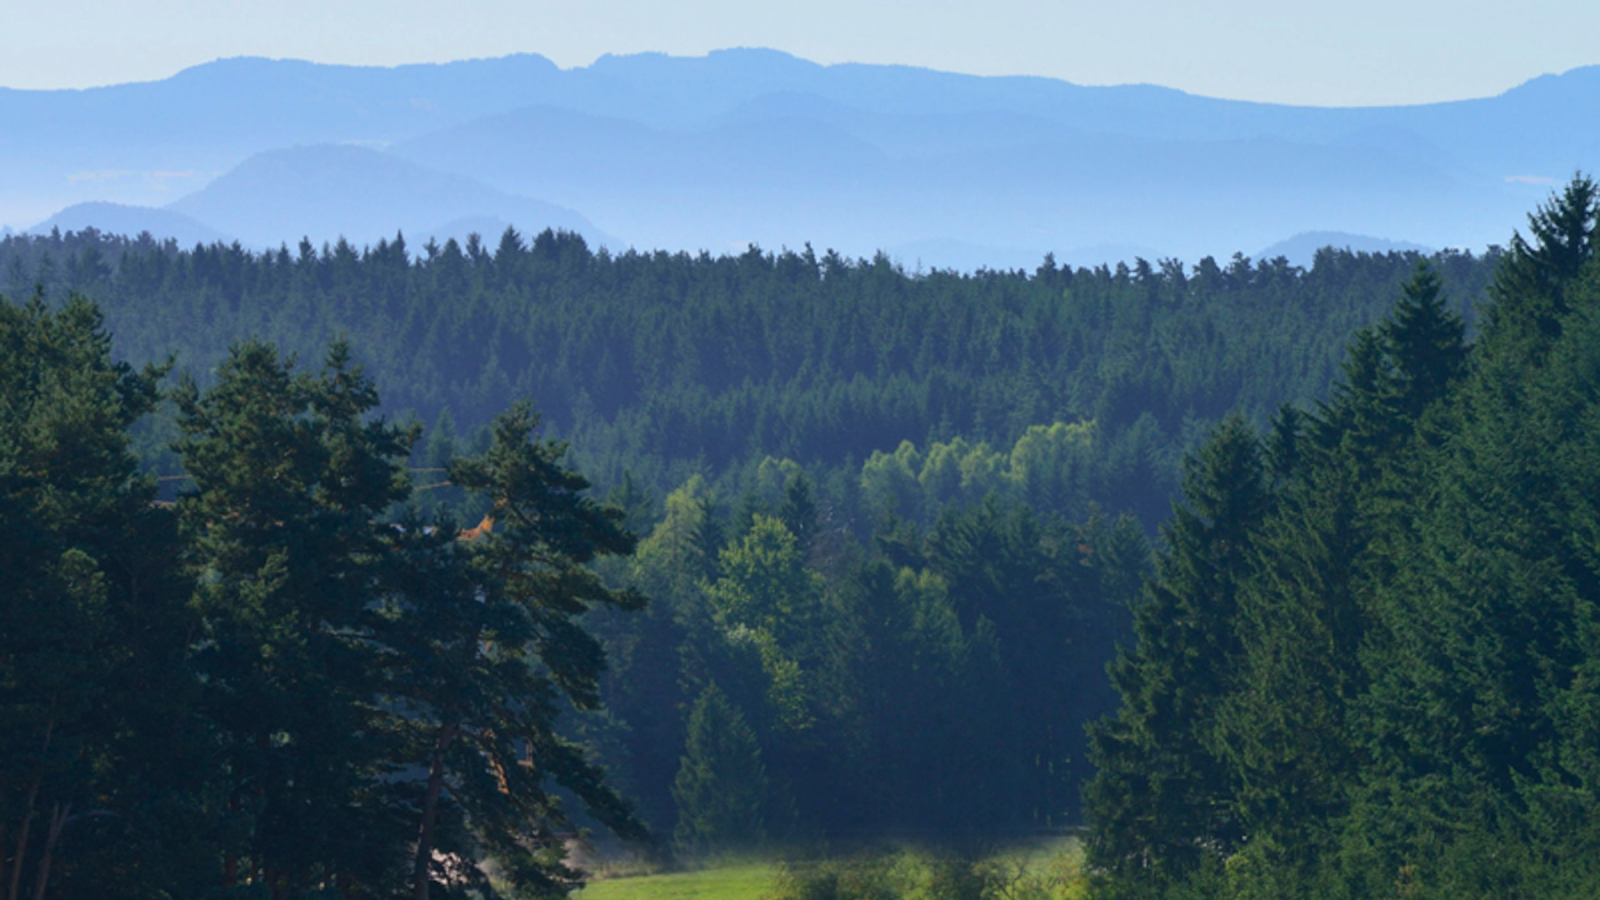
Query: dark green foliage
{"points": [[903, 525], [1163, 797], [1410, 708], [281, 691], [284, 544], [487, 649], [1530, 290], [101, 761], [721, 786], [664, 366], [1426, 343]]}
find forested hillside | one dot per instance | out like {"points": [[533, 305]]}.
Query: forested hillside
{"points": [[1366, 663], [663, 366], [891, 526]]}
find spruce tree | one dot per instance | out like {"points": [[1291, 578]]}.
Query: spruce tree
{"points": [[1426, 341], [721, 786], [1162, 798], [1531, 284]]}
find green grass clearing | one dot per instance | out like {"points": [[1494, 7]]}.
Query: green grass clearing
{"points": [[1044, 871], [740, 881]]}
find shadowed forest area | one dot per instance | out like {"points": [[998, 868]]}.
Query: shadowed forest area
{"points": [[1280, 581]]}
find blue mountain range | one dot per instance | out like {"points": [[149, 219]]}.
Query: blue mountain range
{"points": [[756, 146]]}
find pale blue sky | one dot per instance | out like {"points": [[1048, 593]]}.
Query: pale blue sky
{"points": [[1350, 52]]}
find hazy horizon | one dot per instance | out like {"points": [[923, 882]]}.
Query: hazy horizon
{"points": [[1493, 92], [1372, 54]]}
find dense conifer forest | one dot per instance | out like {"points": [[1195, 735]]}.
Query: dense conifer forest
{"points": [[862, 549], [1365, 664], [662, 366]]}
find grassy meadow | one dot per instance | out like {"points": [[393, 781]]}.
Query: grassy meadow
{"points": [[1042, 871]]}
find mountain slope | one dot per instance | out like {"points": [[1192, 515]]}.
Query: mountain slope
{"points": [[1301, 250], [115, 218], [327, 192]]}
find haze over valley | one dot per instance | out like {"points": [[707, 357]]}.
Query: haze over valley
{"points": [[756, 146]]}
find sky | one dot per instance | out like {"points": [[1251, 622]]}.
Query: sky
{"points": [[1356, 52]]}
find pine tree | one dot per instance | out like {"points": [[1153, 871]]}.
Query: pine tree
{"points": [[442, 440], [496, 650], [799, 512], [1531, 284], [283, 541], [1283, 728], [103, 773]]}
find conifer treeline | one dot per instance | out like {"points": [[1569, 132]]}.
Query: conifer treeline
{"points": [[1366, 664], [661, 366]]}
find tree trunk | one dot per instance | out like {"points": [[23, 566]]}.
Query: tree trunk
{"points": [[421, 880], [20, 857], [15, 888], [230, 863], [58, 821], [28, 814]]}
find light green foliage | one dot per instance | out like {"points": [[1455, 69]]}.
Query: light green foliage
{"points": [[1052, 871], [773, 477], [768, 600], [676, 555], [1047, 461], [765, 585], [1048, 466], [891, 481], [960, 472]]}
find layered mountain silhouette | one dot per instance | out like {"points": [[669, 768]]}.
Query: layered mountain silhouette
{"points": [[755, 146], [327, 192], [117, 218]]}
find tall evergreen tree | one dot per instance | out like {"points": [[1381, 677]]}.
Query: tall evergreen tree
{"points": [[284, 539], [1530, 287], [1426, 342], [1162, 798], [721, 787], [491, 649], [102, 766]]}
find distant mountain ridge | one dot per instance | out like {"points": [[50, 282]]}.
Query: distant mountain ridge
{"points": [[325, 192], [744, 146], [1301, 250], [117, 218]]}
